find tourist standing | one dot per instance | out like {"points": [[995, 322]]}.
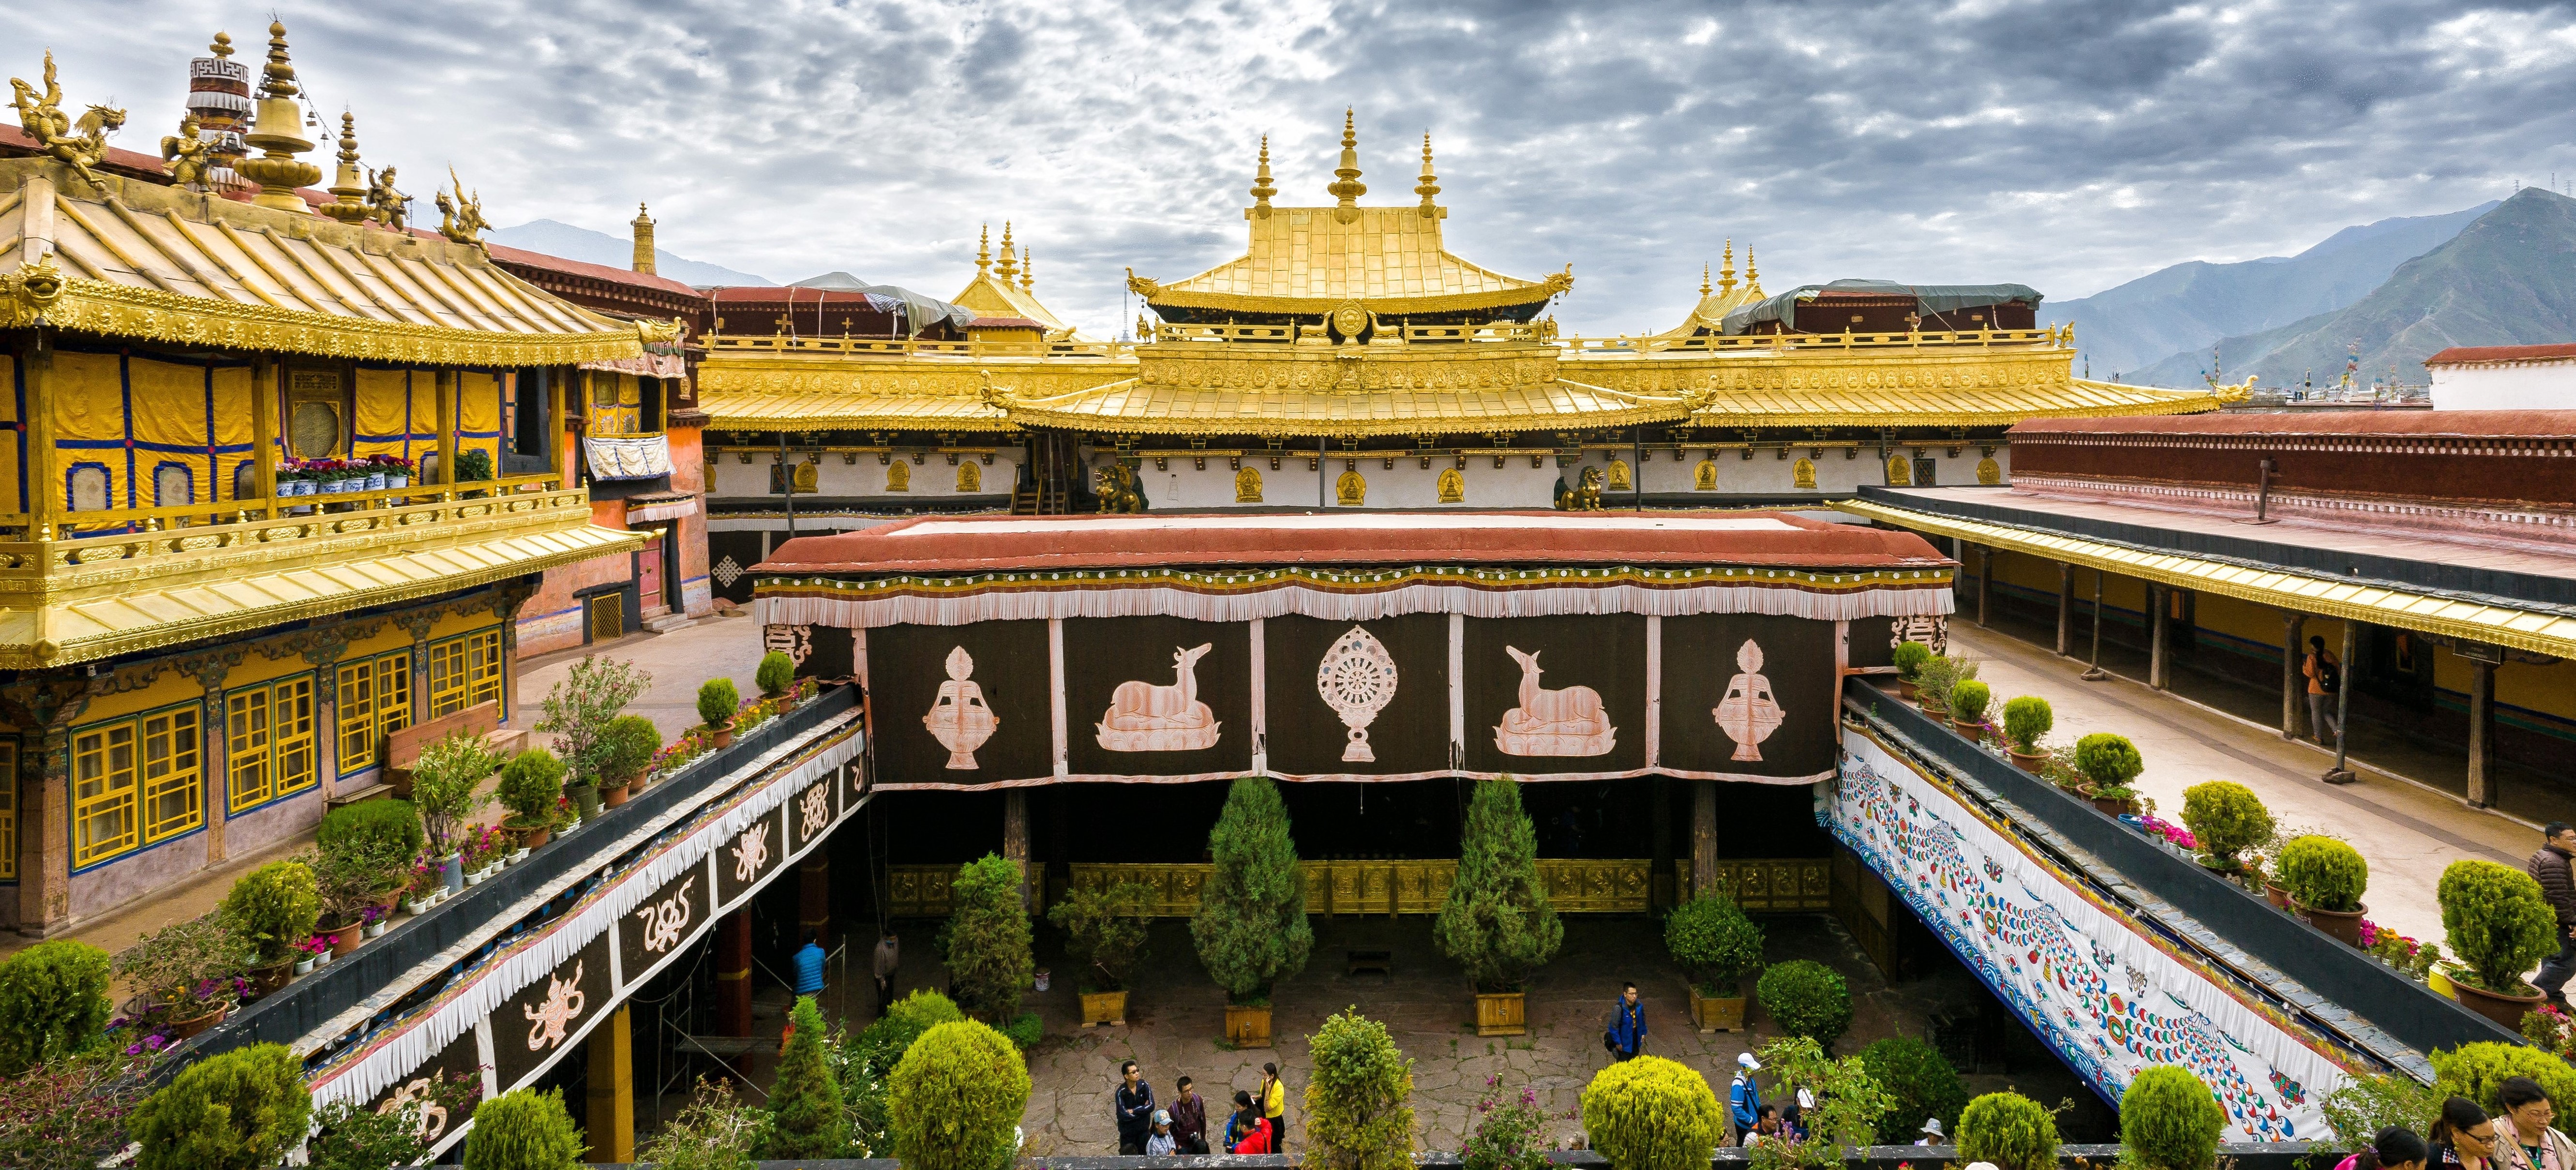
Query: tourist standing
{"points": [[1247, 1132], [2463, 1136], [2325, 680], [1765, 1127], [1274, 1107], [2549, 867], [1189, 1118], [2526, 1141], [1159, 1144], [1134, 1101], [809, 965], [1744, 1098], [1627, 1033], [1931, 1134], [889, 956]]}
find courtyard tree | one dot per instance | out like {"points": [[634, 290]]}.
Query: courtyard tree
{"points": [[2010, 1130], [237, 1110], [806, 1120], [1359, 1101], [989, 958], [53, 1000], [1650, 1113], [955, 1099], [1497, 922], [2169, 1120], [863, 1065], [523, 1130], [1251, 924]]}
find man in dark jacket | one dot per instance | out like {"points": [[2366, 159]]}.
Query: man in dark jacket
{"points": [[1135, 1105], [2549, 867], [1189, 1118]]}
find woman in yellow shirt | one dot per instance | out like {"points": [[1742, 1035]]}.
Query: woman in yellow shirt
{"points": [[1274, 1105]]}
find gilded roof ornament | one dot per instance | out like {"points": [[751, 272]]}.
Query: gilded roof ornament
{"points": [[222, 46], [278, 133], [349, 185], [460, 218], [1143, 286], [1703, 278], [386, 204], [1430, 184], [79, 144], [1010, 266], [1752, 275], [1346, 187], [185, 156], [1725, 271], [1261, 188], [1028, 270]]}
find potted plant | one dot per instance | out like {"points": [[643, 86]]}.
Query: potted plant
{"points": [[775, 674], [530, 784], [578, 710], [1497, 921], [189, 971], [2107, 761], [2026, 719], [348, 874], [2116, 800], [1932, 683], [1710, 937], [312, 953], [1968, 699], [373, 920], [444, 784], [717, 702], [626, 748], [271, 909], [473, 465], [2498, 924], [1251, 926], [2325, 878], [1909, 659], [1105, 932], [2225, 819]]}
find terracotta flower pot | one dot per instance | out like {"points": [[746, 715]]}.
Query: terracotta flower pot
{"points": [[345, 936], [2276, 895], [612, 795], [2029, 763], [2345, 926], [1971, 728], [2110, 805], [181, 1029], [1906, 689], [723, 733], [2507, 1010], [270, 978], [532, 836]]}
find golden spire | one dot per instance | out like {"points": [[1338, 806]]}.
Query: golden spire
{"points": [[1347, 188], [223, 46], [279, 135], [984, 250], [1726, 272], [1430, 184], [1010, 266], [349, 185], [1752, 275], [1703, 278], [278, 76], [1028, 270], [1261, 188], [643, 225]]}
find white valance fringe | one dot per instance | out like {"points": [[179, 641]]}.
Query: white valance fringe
{"points": [[1038, 603], [1345, 778]]}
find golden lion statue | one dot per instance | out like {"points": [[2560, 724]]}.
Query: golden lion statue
{"points": [[1585, 496]]}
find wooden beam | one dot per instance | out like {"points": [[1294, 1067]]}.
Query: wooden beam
{"points": [[611, 1122]]}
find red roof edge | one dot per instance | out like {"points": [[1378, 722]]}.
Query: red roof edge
{"points": [[2471, 355]]}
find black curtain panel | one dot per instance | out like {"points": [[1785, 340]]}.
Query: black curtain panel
{"points": [[1157, 696], [1409, 734], [654, 931], [1706, 658], [1005, 673], [1555, 694], [542, 1019]]}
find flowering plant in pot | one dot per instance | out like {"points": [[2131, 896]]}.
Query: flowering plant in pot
{"points": [[350, 874], [312, 953], [271, 909], [531, 783], [445, 784], [188, 971], [578, 710], [2499, 924]]}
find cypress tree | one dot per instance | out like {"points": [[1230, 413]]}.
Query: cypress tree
{"points": [[1251, 924], [1496, 921], [989, 959], [805, 1105]]}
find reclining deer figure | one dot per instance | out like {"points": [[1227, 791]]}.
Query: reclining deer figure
{"points": [[1553, 722], [1143, 717]]}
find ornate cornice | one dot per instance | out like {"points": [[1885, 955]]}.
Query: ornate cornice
{"points": [[114, 310]]}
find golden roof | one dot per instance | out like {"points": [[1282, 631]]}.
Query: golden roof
{"points": [[996, 296], [125, 258], [1714, 302], [1977, 406], [857, 411], [1131, 406]]}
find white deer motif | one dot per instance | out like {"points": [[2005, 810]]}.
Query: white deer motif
{"points": [[1567, 722], [1143, 717]]}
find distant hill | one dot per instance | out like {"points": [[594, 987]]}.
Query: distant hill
{"points": [[2509, 278], [2185, 308], [590, 247]]}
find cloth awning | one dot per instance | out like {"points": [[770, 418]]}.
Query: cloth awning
{"points": [[646, 508], [651, 365], [642, 457], [1928, 298]]}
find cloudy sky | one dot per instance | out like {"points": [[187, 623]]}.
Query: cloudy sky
{"points": [[2067, 146]]}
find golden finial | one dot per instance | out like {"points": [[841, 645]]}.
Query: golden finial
{"points": [[349, 184], [1430, 185], [1028, 270], [1752, 275], [223, 46], [643, 225], [1347, 187], [278, 134], [1261, 188], [1726, 271], [984, 250], [1009, 267], [1703, 278], [279, 73]]}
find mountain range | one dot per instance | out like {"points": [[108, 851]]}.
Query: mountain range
{"points": [[590, 247], [2182, 310]]}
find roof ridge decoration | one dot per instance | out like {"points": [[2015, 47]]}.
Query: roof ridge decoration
{"points": [[348, 185], [1346, 187], [79, 144], [1261, 188], [461, 218], [1430, 184], [278, 134]]}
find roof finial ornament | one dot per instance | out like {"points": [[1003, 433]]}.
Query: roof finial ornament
{"points": [[223, 46], [1430, 184], [984, 250], [1726, 271], [1752, 275], [1028, 270], [1347, 187], [278, 134], [349, 184], [1703, 278], [1009, 268], [1261, 188], [642, 224]]}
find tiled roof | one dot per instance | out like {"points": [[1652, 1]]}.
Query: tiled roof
{"points": [[2472, 355], [2359, 422], [593, 271]]}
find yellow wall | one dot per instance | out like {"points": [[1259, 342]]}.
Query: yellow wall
{"points": [[478, 400], [10, 501], [397, 413]]}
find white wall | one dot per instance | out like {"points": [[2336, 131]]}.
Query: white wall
{"points": [[2537, 385], [1179, 484]]}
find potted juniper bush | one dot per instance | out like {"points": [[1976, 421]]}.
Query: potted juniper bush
{"points": [[1710, 937], [1496, 921]]}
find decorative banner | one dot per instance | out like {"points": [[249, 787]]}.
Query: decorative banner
{"points": [[910, 677], [809, 816], [749, 854], [1873, 641], [654, 930], [1389, 699], [549, 1015], [459, 1060], [1554, 694], [1772, 720], [2111, 1000], [1157, 696]]}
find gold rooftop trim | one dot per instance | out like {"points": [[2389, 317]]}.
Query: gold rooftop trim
{"points": [[2348, 600], [1937, 406], [162, 264], [1133, 406], [850, 411]]}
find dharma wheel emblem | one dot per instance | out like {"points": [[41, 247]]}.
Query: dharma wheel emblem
{"points": [[959, 720], [1748, 714], [1357, 680]]}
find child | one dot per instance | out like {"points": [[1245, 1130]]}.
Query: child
{"points": [[1159, 1143]]}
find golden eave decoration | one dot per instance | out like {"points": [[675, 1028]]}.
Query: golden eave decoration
{"points": [[1132, 406], [138, 260], [1971, 406], [805, 413]]}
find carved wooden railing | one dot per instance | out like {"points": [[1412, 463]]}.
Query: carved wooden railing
{"points": [[1580, 347], [1417, 886], [897, 347]]}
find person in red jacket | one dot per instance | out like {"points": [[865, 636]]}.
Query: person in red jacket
{"points": [[1249, 1131]]}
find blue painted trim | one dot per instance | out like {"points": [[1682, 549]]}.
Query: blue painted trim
{"points": [[125, 393], [138, 850], [148, 445]]}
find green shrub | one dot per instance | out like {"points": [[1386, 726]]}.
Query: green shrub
{"points": [[1849, 1103], [1104, 929], [531, 783], [170, 964], [579, 707], [2368, 1104], [1359, 1099], [626, 748], [446, 784], [394, 824], [2476, 1071], [1807, 999], [2108, 760], [1251, 923], [2026, 719], [2169, 1120], [472, 464], [1025, 1030], [805, 1119], [717, 701], [775, 674], [2322, 873], [523, 1130], [1909, 659], [2496, 922], [863, 1064], [955, 1099], [1918, 1080], [2226, 818], [273, 908], [1713, 940], [1938, 677], [237, 1110], [53, 1002], [1496, 920], [1650, 1113], [711, 1132], [989, 960], [1968, 701], [354, 1137], [2010, 1130]]}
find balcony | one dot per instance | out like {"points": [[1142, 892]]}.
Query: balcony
{"points": [[81, 586]]}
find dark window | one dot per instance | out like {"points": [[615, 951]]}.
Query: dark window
{"points": [[1923, 472], [528, 414]]}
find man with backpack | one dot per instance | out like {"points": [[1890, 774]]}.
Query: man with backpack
{"points": [[2325, 681], [1625, 1035]]}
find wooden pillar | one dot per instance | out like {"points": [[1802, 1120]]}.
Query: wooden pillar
{"points": [[733, 974], [44, 463], [610, 1126], [814, 898], [449, 415], [1985, 582], [2294, 685], [2065, 609], [45, 889], [2159, 663], [1015, 836], [1704, 839], [2481, 726]]}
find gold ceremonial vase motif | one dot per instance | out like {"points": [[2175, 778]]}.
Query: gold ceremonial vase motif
{"points": [[1748, 714], [959, 719]]}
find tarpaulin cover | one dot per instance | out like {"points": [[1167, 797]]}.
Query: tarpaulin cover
{"points": [[1928, 298], [920, 310]]}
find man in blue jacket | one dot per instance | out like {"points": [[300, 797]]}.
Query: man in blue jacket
{"points": [[809, 965], [1627, 1034], [1744, 1098]]}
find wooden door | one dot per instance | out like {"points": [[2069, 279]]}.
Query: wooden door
{"points": [[648, 575]]}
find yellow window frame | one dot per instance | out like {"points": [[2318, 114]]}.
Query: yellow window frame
{"points": [[174, 778], [465, 671], [246, 748], [374, 702], [447, 677], [291, 734], [105, 820]]}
